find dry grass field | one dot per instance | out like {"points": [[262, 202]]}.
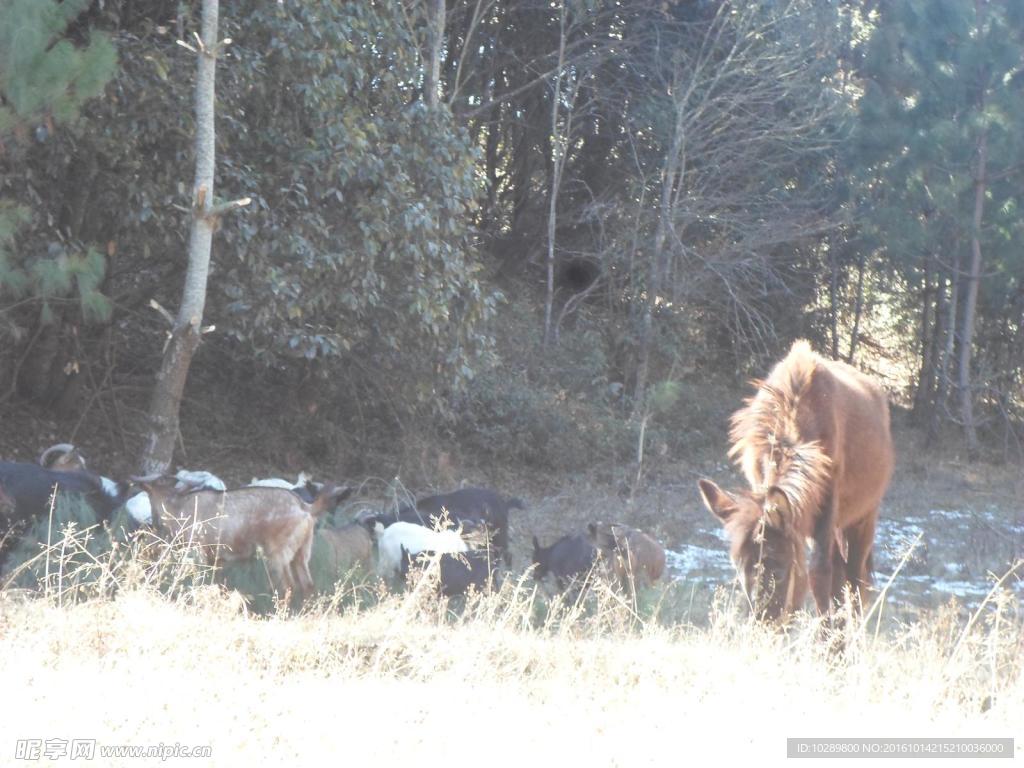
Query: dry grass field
{"points": [[363, 677], [131, 650]]}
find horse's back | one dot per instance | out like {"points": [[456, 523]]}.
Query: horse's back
{"points": [[828, 419], [852, 416]]}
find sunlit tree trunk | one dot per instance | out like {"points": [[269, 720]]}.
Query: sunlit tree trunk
{"points": [[437, 19], [165, 403]]}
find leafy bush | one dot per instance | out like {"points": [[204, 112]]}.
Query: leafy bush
{"points": [[77, 556], [31, 568]]}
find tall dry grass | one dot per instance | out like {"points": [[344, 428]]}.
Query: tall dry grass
{"points": [[138, 647]]}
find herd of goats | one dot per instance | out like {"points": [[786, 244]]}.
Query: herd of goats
{"points": [[813, 443], [465, 531]]}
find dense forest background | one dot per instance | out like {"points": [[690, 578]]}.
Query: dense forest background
{"points": [[551, 234]]}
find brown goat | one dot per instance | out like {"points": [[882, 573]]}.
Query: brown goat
{"points": [[632, 556], [349, 546], [814, 444], [230, 525]]}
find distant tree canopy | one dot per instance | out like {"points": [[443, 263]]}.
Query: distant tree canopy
{"points": [[441, 186]]}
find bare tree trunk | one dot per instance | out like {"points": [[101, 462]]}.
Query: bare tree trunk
{"points": [[165, 403], [558, 145], [971, 302], [858, 311], [948, 349], [436, 52], [929, 332], [491, 166], [657, 269], [833, 296]]}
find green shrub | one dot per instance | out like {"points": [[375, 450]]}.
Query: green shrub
{"points": [[69, 564], [77, 556]]}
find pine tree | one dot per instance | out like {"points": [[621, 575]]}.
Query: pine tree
{"points": [[939, 137], [44, 76]]}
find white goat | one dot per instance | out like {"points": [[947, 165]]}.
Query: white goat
{"points": [[415, 539]]}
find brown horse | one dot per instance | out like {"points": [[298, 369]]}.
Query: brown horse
{"points": [[814, 444]]}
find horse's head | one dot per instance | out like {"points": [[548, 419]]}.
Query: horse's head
{"points": [[766, 549]]}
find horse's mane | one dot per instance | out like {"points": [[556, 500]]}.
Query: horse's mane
{"points": [[766, 438]]}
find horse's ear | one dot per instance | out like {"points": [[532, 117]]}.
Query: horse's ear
{"points": [[536, 544], [720, 503], [777, 507], [592, 530]]}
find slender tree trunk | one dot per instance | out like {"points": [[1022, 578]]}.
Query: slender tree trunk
{"points": [[971, 302], [170, 381], [858, 311], [558, 143], [948, 349], [432, 85], [935, 350], [929, 331], [833, 297], [657, 264], [491, 166]]}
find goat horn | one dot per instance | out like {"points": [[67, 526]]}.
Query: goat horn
{"points": [[59, 447]]}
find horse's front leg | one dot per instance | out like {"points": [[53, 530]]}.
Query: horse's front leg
{"points": [[823, 559]]}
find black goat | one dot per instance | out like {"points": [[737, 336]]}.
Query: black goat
{"points": [[30, 487], [458, 571], [571, 557], [466, 506]]}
